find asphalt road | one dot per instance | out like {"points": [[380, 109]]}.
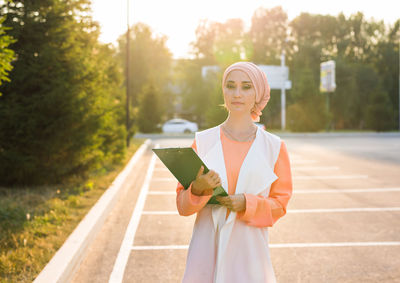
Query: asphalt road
{"points": [[342, 225]]}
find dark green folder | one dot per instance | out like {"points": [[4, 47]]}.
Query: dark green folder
{"points": [[184, 163]]}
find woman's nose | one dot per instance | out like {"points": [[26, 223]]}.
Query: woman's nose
{"points": [[236, 92]]}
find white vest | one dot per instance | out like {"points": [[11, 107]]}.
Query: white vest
{"points": [[241, 250]]}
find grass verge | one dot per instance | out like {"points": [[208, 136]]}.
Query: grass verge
{"points": [[35, 222]]}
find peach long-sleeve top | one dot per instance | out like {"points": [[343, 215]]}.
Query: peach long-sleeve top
{"points": [[260, 211]]}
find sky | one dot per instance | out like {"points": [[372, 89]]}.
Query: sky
{"points": [[178, 19]]}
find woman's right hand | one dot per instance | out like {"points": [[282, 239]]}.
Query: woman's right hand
{"points": [[204, 184]]}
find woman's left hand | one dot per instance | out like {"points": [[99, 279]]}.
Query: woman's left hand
{"points": [[233, 202]]}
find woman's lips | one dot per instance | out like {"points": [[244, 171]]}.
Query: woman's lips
{"points": [[237, 103]]}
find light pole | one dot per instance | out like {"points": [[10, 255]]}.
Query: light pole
{"points": [[283, 86], [127, 78]]}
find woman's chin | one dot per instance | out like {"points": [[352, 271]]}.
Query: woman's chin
{"points": [[239, 110]]}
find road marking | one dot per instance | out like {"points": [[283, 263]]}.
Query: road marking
{"points": [[357, 209], [172, 179], [317, 210], [328, 191], [170, 247], [309, 191], [124, 251], [315, 168], [286, 245], [330, 177], [339, 244]]}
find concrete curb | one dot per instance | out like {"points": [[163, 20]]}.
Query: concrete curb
{"points": [[66, 260]]}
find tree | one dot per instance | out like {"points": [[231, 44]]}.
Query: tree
{"points": [[221, 43], [385, 61], [150, 63], [6, 54], [309, 112], [59, 114], [268, 33], [218, 44], [215, 113], [194, 94], [149, 112], [379, 113]]}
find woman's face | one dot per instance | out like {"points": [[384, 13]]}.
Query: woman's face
{"points": [[239, 92]]}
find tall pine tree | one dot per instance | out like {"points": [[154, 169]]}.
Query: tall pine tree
{"points": [[59, 114]]}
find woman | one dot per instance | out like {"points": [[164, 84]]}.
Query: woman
{"points": [[230, 240]]}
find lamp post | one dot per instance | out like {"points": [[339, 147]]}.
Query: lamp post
{"points": [[283, 86], [127, 78]]}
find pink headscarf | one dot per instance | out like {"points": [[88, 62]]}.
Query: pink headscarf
{"points": [[260, 83]]}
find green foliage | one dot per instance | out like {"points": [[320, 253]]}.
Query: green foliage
{"points": [[149, 112], [193, 94], [215, 113], [61, 113], [267, 34], [379, 113], [309, 113], [35, 221], [365, 51], [6, 54], [149, 64]]}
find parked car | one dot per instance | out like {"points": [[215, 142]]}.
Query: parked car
{"points": [[178, 125], [262, 126]]}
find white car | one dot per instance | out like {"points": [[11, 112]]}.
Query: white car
{"points": [[178, 125]]}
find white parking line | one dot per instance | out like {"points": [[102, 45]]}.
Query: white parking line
{"points": [[172, 179], [124, 251], [286, 245], [310, 191], [330, 177], [357, 209], [339, 244], [315, 168], [328, 191], [317, 210], [170, 247]]}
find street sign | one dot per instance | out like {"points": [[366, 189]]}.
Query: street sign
{"points": [[327, 80], [276, 75]]}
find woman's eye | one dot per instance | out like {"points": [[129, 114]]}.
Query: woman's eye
{"points": [[243, 87]]}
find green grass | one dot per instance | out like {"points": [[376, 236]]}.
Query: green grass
{"points": [[35, 222]]}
